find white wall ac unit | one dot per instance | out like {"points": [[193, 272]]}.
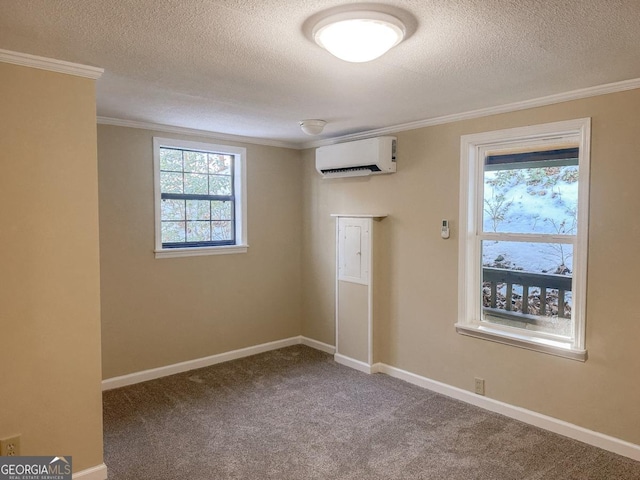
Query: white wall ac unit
{"points": [[355, 159]]}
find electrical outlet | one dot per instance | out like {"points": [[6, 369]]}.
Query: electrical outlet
{"points": [[480, 386], [10, 447]]}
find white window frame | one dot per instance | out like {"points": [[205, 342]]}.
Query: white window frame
{"points": [[240, 191], [472, 156]]}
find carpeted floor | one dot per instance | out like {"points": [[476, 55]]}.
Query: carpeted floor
{"points": [[296, 414]]}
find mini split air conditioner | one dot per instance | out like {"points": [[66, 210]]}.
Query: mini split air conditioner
{"points": [[355, 159]]}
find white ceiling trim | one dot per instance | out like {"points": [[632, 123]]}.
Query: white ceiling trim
{"points": [[51, 64], [429, 122], [485, 112], [196, 132]]}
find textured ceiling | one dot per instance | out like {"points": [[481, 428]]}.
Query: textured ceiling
{"points": [[248, 67]]}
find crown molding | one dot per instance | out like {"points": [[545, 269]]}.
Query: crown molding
{"points": [[195, 132], [484, 112], [51, 64], [429, 122]]}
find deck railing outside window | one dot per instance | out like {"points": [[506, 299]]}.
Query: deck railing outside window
{"points": [[537, 294]]}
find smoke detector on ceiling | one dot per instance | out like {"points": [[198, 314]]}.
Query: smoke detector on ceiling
{"points": [[312, 127]]}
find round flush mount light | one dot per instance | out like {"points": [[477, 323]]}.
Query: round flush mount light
{"points": [[312, 127], [359, 36]]}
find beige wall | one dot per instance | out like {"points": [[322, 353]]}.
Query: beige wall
{"points": [[602, 394], [49, 297], [158, 312]]}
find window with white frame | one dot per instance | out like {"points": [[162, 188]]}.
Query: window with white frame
{"points": [[200, 198], [523, 236]]}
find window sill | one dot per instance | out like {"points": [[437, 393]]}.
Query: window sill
{"points": [[560, 349], [200, 251]]}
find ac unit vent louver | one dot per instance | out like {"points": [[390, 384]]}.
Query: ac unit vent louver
{"points": [[354, 159]]}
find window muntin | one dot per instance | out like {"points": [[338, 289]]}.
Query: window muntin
{"points": [[200, 198], [523, 236]]}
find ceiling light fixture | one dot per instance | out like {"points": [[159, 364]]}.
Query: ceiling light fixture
{"points": [[359, 36], [312, 127]]}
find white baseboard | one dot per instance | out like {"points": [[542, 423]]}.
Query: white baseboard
{"points": [[323, 347], [561, 427], [355, 364], [145, 375], [99, 472]]}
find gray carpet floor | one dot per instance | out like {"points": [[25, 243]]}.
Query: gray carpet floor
{"points": [[296, 414]]}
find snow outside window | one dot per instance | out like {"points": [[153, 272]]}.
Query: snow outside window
{"points": [[199, 198], [523, 221]]}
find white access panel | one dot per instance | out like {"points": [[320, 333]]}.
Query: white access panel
{"points": [[354, 290], [354, 247]]}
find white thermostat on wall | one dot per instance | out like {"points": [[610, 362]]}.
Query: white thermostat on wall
{"points": [[444, 232]]}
